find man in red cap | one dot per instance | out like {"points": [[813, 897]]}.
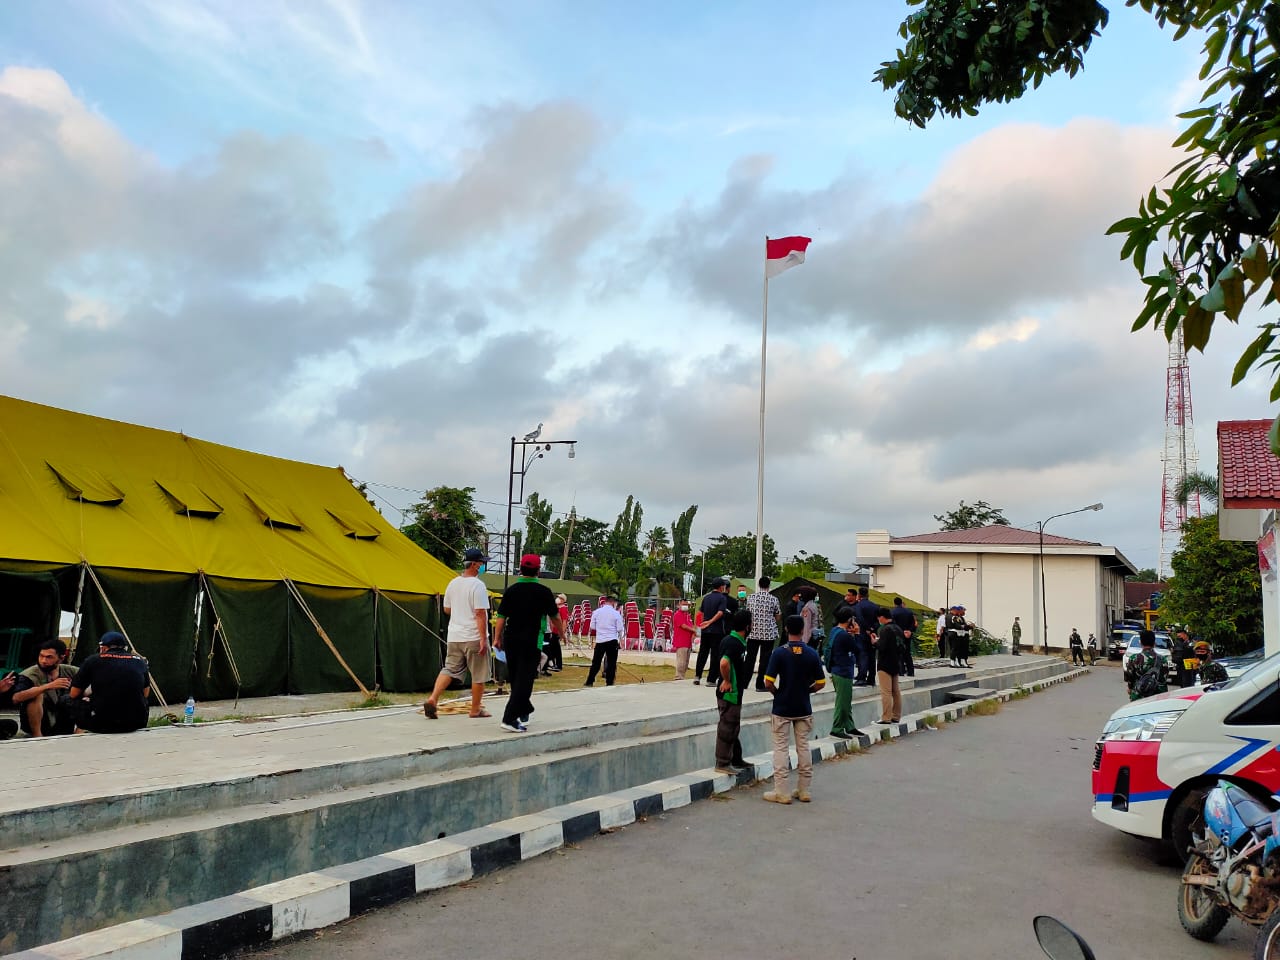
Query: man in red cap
{"points": [[525, 611]]}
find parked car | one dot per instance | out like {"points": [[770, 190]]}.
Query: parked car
{"points": [[1123, 637], [1164, 649], [1239, 664]]}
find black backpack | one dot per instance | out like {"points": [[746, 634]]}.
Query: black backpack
{"points": [[1149, 682]]}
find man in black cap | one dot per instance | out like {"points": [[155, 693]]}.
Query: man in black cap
{"points": [[715, 615], [525, 606], [110, 691]]}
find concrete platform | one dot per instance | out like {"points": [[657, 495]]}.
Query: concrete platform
{"points": [[132, 826]]}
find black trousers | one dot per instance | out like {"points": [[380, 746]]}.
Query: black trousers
{"points": [[522, 670], [555, 655], [864, 656], [762, 649], [728, 746], [606, 653], [942, 645], [960, 647], [1077, 655], [710, 644]]}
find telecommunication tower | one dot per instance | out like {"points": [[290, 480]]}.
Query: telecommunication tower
{"points": [[1179, 452]]}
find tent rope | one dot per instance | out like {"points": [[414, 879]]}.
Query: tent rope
{"points": [[75, 620], [297, 595], [219, 636], [120, 623], [379, 593]]}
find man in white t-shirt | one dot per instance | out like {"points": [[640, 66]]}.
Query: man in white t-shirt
{"points": [[466, 602]]}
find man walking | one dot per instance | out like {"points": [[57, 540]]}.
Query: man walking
{"points": [[607, 626], [714, 610], [1016, 633], [766, 614], [906, 621], [525, 606], [732, 670], [794, 672], [1076, 642], [889, 642], [466, 604]]}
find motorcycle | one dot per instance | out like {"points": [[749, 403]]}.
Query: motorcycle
{"points": [[1234, 868], [1060, 942]]}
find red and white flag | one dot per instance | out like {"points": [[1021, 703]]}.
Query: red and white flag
{"points": [[783, 254]]}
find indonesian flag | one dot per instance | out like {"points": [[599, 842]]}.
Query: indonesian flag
{"points": [[783, 254]]}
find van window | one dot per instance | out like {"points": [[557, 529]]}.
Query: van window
{"points": [[1260, 710]]}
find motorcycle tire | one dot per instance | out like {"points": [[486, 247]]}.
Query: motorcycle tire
{"points": [[1187, 818], [1268, 944], [1201, 915]]}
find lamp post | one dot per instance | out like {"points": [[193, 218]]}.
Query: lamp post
{"points": [[527, 457], [1044, 608]]}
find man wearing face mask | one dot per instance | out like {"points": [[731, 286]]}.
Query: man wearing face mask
{"points": [[466, 601], [682, 632]]}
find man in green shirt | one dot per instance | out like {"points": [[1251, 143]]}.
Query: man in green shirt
{"points": [[42, 693], [732, 668], [1016, 632]]}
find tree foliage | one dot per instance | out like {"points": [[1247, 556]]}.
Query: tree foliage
{"points": [[1215, 221], [537, 525], [1201, 485], [445, 522], [680, 530], [736, 556], [812, 566], [1145, 575], [1216, 589], [970, 515]]}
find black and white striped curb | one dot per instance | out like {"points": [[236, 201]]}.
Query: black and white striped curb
{"points": [[313, 900]]}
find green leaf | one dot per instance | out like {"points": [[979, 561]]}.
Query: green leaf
{"points": [[1252, 352], [1227, 181]]}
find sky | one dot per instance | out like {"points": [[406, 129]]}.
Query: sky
{"points": [[393, 236]]}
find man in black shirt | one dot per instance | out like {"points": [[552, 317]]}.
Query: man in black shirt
{"points": [[906, 621], [110, 690], [864, 612], [715, 612], [519, 627]]}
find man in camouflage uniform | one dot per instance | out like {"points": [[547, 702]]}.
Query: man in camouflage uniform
{"points": [[1142, 662], [1211, 671]]}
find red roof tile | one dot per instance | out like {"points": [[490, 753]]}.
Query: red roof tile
{"points": [[1250, 471], [1138, 592], [997, 533]]}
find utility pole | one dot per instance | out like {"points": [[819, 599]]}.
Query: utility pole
{"points": [[564, 561]]}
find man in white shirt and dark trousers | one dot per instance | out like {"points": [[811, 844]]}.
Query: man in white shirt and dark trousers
{"points": [[606, 626]]}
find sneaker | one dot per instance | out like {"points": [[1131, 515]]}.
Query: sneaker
{"points": [[516, 727], [883, 723], [772, 797], [524, 721], [801, 795], [726, 771], [855, 732], [697, 682], [760, 689], [840, 736]]}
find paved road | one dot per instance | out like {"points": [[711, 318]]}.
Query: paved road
{"points": [[942, 845]]}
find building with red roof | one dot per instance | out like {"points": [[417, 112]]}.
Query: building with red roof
{"points": [[1248, 500], [995, 572]]}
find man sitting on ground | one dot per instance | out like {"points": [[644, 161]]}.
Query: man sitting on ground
{"points": [[115, 681], [44, 706]]}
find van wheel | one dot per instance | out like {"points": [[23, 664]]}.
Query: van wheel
{"points": [[1187, 818], [1201, 915], [1268, 945]]}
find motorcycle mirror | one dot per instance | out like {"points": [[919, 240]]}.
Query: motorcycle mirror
{"points": [[1060, 942]]}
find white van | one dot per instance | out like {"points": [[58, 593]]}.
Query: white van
{"points": [[1157, 757]]}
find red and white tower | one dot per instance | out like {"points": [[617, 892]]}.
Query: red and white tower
{"points": [[1179, 452]]}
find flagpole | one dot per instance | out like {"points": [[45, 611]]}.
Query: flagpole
{"points": [[764, 341]]}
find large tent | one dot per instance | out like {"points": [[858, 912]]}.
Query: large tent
{"points": [[234, 573], [831, 595]]}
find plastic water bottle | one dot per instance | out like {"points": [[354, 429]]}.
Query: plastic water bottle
{"points": [[189, 714]]}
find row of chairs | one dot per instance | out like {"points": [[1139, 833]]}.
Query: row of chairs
{"points": [[647, 631]]}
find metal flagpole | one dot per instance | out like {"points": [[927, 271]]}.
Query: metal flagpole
{"points": [[764, 339]]}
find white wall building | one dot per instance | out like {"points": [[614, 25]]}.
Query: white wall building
{"points": [[1248, 500], [995, 572]]}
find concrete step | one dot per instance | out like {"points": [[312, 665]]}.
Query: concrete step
{"points": [[136, 855]]}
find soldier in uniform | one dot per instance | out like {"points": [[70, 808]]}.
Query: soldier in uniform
{"points": [[958, 636], [1184, 659], [1077, 647], [1211, 671], [1143, 662], [1016, 633]]}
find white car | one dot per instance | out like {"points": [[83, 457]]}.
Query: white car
{"points": [[1164, 649], [1158, 757]]}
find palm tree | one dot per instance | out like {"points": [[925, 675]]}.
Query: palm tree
{"points": [[1202, 485]]}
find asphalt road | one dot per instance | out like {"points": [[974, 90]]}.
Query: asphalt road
{"points": [[940, 845]]}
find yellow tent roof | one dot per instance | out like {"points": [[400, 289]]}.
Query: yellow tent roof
{"points": [[75, 487]]}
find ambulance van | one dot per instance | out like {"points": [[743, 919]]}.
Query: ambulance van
{"points": [[1157, 757]]}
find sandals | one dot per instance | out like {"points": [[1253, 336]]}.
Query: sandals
{"points": [[430, 710], [483, 713]]}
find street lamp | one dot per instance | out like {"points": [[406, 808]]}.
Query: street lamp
{"points": [[527, 458], [1044, 609]]}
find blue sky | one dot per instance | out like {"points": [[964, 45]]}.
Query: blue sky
{"points": [[392, 235]]}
